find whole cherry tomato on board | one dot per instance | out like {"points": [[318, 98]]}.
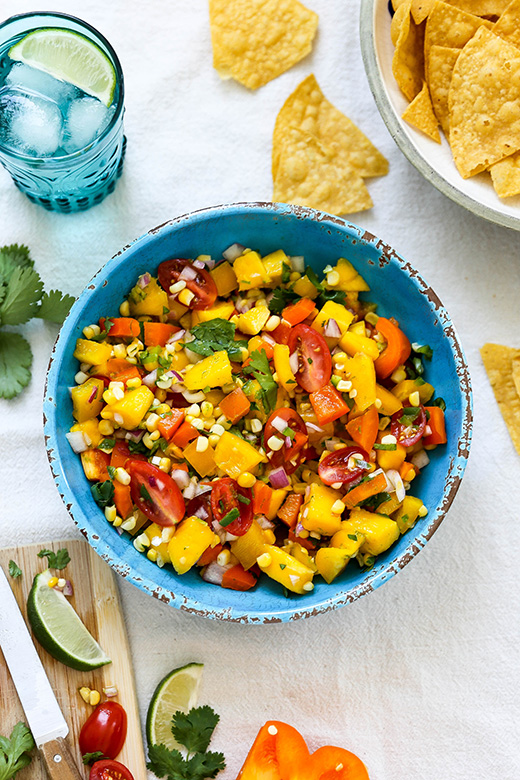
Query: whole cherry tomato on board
{"points": [[290, 456], [228, 497], [104, 731], [110, 770], [198, 281], [155, 493], [346, 465], [314, 360]]}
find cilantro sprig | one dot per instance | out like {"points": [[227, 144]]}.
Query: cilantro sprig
{"points": [[14, 570], [192, 730], [22, 298], [258, 366], [14, 751], [56, 560], [214, 336]]}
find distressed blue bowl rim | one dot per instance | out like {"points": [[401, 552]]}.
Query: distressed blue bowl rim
{"points": [[295, 608]]}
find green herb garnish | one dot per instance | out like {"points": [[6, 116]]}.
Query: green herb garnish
{"points": [[440, 402], [229, 517], [258, 366], [103, 493], [91, 758], [107, 445], [145, 494], [56, 560], [243, 499], [214, 336], [14, 752], [423, 349], [14, 570], [386, 447]]}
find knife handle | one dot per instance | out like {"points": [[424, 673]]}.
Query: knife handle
{"points": [[58, 760]]}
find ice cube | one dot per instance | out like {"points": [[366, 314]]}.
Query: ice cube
{"points": [[86, 118], [38, 82], [29, 124]]}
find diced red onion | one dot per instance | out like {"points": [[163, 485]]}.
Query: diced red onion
{"points": [[244, 304], [232, 252], [93, 394], [313, 427], [269, 339], [150, 379], [219, 530], [144, 280], [214, 572], [180, 477], [279, 423], [332, 330], [298, 528], [330, 445], [67, 589], [110, 691], [264, 523], [293, 362], [135, 435], [193, 398], [77, 441], [230, 537], [278, 478], [177, 376], [199, 264], [189, 491], [288, 442], [394, 478], [176, 336], [298, 263], [420, 459], [119, 530], [188, 273], [193, 357]]}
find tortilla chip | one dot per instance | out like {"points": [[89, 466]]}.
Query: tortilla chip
{"points": [[419, 113], [255, 41], [480, 7], [498, 362], [515, 370], [308, 109], [397, 20], [508, 26], [408, 59], [505, 175], [398, 3], [421, 9], [484, 103], [308, 175], [448, 26], [440, 69]]}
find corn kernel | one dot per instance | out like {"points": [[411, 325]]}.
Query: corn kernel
{"points": [[196, 422], [62, 582], [378, 403], [206, 408], [129, 524], [135, 381], [308, 586], [272, 323], [84, 692], [344, 386], [295, 276], [165, 465], [177, 287], [94, 698], [415, 398], [117, 522], [88, 332], [274, 443], [124, 309], [389, 439], [105, 427], [152, 555], [81, 377], [333, 278], [264, 560], [256, 425], [52, 582], [337, 507], [151, 422], [399, 375], [122, 476], [155, 435], [161, 395], [213, 439], [109, 397], [223, 558], [185, 297], [202, 444], [246, 479], [119, 350], [118, 418], [423, 511], [217, 429], [194, 410]]}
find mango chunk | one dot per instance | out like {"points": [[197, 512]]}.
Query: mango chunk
{"points": [[92, 352], [349, 279], [305, 288], [389, 403], [154, 534], [87, 399], [403, 389], [361, 372], [316, 513], [282, 366], [235, 455], [285, 569], [225, 278], [250, 271], [273, 265], [252, 321], [333, 311], [380, 531], [331, 561], [150, 300], [250, 546], [351, 343], [192, 536], [130, 410], [213, 371], [202, 462], [221, 310], [408, 512]]}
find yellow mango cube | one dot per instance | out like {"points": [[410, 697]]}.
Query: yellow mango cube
{"points": [[331, 561], [349, 279], [277, 499], [178, 360], [282, 366], [305, 288], [301, 554], [390, 404], [221, 310], [92, 352], [352, 343], [250, 546], [285, 569], [361, 372], [408, 512], [273, 265], [235, 455], [202, 462], [348, 542], [403, 389], [131, 409], [177, 310], [252, 321], [316, 512], [380, 531], [150, 300], [391, 459], [225, 278], [154, 533], [388, 506], [213, 371], [250, 271], [87, 399], [90, 428], [192, 537], [333, 311]]}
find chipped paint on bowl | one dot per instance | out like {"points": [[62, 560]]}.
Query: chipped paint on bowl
{"points": [[400, 292]]}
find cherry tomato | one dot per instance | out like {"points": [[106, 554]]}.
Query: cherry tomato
{"points": [[104, 731], [314, 360], [155, 493], [226, 495], [201, 285], [408, 435], [200, 506], [337, 466], [290, 456], [110, 770], [177, 400]]}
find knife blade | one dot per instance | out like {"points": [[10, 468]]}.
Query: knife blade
{"points": [[41, 708]]}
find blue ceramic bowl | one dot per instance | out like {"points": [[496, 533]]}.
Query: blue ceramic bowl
{"points": [[395, 286]]}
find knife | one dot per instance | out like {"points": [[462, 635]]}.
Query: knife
{"points": [[42, 711]]}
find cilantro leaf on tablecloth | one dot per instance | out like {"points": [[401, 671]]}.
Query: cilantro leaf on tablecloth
{"points": [[12, 257], [14, 752], [214, 336], [24, 290], [55, 306], [258, 366], [15, 362], [194, 729]]}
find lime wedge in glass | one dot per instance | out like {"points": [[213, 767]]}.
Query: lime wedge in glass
{"points": [[58, 627], [68, 57], [179, 690]]}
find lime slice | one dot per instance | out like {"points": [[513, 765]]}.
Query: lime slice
{"points": [[68, 57], [179, 690], [58, 628]]}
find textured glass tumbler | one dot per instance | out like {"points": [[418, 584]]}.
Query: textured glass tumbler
{"points": [[76, 181]]}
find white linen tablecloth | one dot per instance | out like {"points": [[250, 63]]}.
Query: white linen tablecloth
{"points": [[420, 679]]}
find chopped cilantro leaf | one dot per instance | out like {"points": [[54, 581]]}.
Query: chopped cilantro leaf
{"points": [[14, 570], [229, 517], [91, 758], [107, 445], [281, 298], [337, 296], [103, 493], [145, 494], [440, 402], [214, 336], [286, 273], [14, 752], [258, 366], [56, 560]]}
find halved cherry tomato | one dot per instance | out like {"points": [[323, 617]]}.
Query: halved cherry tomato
{"points": [[227, 495], [104, 731], [201, 284], [155, 493], [408, 435], [200, 506], [290, 456], [314, 359], [109, 770], [337, 466]]}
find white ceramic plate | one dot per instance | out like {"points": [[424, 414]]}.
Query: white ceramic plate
{"points": [[434, 161]]}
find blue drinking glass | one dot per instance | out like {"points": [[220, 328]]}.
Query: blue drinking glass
{"points": [[63, 180]]}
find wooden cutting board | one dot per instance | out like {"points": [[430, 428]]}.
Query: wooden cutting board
{"points": [[96, 600]]}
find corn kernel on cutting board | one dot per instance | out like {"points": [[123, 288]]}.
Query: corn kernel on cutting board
{"points": [[96, 600]]}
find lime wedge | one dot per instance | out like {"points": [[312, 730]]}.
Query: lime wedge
{"points": [[179, 690], [68, 57], [58, 628]]}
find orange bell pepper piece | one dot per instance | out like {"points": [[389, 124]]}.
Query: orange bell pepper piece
{"points": [[209, 555], [170, 423], [237, 578], [183, 435], [258, 343], [235, 405], [307, 543], [118, 370], [261, 498], [299, 311], [281, 333], [158, 333], [122, 499], [328, 404], [369, 488], [437, 424], [407, 471], [364, 428], [279, 752], [397, 350], [124, 327], [290, 509]]}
